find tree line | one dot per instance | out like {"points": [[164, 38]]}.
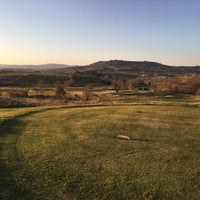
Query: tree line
{"points": [[185, 84]]}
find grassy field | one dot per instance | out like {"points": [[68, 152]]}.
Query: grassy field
{"points": [[7, 114], [74, 153]]}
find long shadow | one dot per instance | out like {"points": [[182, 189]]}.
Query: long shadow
{"points": [[10, 130], [4, 123], [157, 94], [10, 161], [43, 110], [142, 140], [148, 94]]}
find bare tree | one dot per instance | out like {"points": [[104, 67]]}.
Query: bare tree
{"points": [[23, 92], [194, 83], [70, 82], [130, 83], [59, 89], [172, 83], [87, 92], [117, 84], [41, 86]]}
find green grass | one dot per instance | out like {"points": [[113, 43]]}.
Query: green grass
{"points": [[74, 153], [11, 113]]}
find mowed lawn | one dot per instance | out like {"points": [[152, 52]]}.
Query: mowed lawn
{"points": [[74, 153]]}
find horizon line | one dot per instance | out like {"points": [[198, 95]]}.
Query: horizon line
{"points": [[75, 65]]}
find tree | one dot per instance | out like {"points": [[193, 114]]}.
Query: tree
{"points": [[41, 86], [194, 83], [23, 92], [138, 82], [70, 82], [59, 89], [87, 92], [117, 84], [130, 84], [172, 83]]}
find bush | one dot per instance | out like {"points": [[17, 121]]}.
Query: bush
{"points": [[18, 93]]}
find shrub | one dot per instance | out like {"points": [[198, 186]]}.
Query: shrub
{"points": [[18, 93]]}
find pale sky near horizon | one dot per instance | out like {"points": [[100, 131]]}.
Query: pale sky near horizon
{"points": [[80, 32]]}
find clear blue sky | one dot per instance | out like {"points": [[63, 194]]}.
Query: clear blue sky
{"points": [[84, 31]]}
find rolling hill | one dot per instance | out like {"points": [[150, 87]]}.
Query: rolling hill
{"points": [[107, 66], [140, 66], [97, 73]]}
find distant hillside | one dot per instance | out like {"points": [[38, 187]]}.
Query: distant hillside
{"points": [[98, 73], [141, 66], [34, 67], [107, 67]]}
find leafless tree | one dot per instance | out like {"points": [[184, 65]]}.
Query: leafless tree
{"points": [[194, 83], [87, 92], [117, 84], [59, 89], [172, 83], [41, 86], [70, 82]]}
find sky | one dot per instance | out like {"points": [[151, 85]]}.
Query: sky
{"points": [[80, 32]]}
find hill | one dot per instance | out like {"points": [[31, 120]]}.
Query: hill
{"points": [[107, 70], [107, 66], [140, 66], [98, 73]]}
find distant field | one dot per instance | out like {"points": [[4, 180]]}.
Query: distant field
{"points": [[100, 95], [74, 153]]}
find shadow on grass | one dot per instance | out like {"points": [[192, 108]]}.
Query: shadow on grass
{"points": [[148, 94], [158, 94], [141, 140], [10, 162]]}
